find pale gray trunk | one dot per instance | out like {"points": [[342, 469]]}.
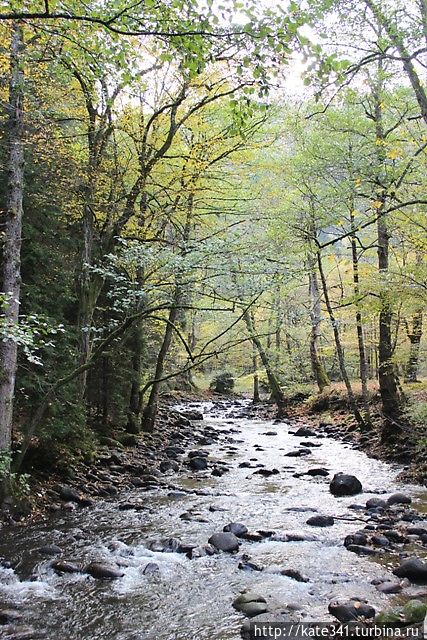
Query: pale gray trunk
{"points": [[12, 237], [317, 367]]}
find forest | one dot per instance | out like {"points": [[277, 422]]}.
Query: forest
{"points": [[197, 191], [213, 356]]}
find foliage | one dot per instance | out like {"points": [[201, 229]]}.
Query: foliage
{"points": [[223, 383]]}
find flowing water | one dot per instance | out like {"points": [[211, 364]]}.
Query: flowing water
{"points": [[191, 599]]}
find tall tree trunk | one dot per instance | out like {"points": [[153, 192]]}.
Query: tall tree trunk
{"points": [[135, 399], [390, 399], [89, 284], [179, 294], [414, 332], [363, 362], [150, 411], [317, 367], [338, 345], [11, 267], [276, 392]]}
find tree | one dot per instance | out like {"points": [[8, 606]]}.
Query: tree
{"points": [[11, 262]]}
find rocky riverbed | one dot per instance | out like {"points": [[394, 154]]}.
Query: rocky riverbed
{"points": [[221, 517]]}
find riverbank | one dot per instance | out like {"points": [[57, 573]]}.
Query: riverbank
{"points": [[331, 412]]}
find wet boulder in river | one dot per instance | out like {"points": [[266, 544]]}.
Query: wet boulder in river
{"points": [[250, 604], [389, 587], [224, 541], [294, 574], [399, 498], [193, 414], [50, 550], [63, 566], [266, 472], [103, 571], [356, 538], [374, 503], [198, 453], [414, 569], [352, 609], [198, 464], [321, 521], [237, 528], [320, 471], [304, 432], [362, 550], [150, 568], [168, 465], [344, 484]]}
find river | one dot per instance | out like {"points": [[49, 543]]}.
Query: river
{"points": [[192, 599]]}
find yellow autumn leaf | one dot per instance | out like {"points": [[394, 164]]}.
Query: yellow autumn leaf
{"points": [[394, 153]]}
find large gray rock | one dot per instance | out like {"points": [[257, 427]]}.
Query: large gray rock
{"points": [[374, 503], [399, 498], [50, 550], [224, 541], [413, 569], [343, 484], [251, 604], [150, 568], [63, 566], [198, 464], [103, 571], [321, 521], [353, 609], [237, 528], [69, 494]]}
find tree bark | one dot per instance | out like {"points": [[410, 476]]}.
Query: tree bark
{"points": [[150, 411], [363, 362], [256, 397], [11, 267], [390, 399], [338, 345], [319, 373], [414, 332], [276, 392]]}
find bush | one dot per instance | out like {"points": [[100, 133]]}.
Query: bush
{"points": [[222, 383]]}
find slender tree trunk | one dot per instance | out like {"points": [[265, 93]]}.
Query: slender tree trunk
{"points": [[105, 388], [414, 332], [338, 345], [276, 392], [150, 411], [256, 396], [363, 363], [317, 367], [391, 403], [11, 265]]}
